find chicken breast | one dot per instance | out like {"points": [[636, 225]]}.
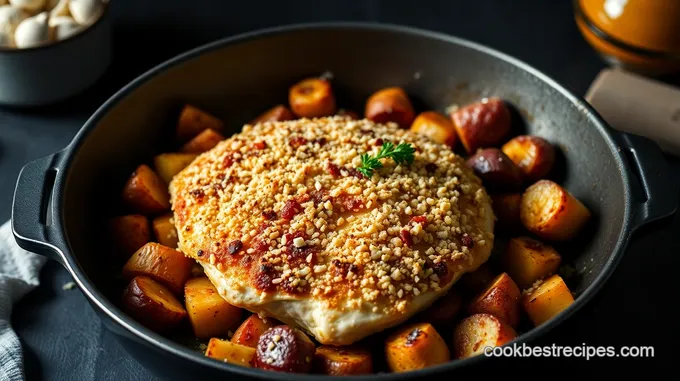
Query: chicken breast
{"points": [[285, 225]]}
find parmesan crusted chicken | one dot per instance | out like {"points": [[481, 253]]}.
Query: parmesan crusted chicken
{"points": [[285, 225]]}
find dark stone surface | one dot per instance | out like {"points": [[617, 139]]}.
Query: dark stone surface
{"points": [[62, 336]]}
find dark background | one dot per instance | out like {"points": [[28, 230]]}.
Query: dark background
{"points": [[63, 338]]}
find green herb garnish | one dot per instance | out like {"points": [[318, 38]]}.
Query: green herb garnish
{"points": [[403, 153]]}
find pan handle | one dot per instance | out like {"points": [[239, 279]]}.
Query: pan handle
{"points": [[660, 196], [33, 224]]}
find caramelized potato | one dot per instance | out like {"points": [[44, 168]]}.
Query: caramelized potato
{"points": [[551, 212], [528, 260], [415, 346], [161, 263], [230, 352], [435, 126], [533, 155], [506, 209], [497, 171], [342, 361], [391, 104], [152, 304], [476, 281], [277, 113], [547, 300], [210, 315], [312, 98], [349, 114], [165, 231], [285, 349], [205, 141], [500, 299], [145, 192], [444, 310], [477, 332], [129, 233], [192, 121], [170, 164], [249, 332], [482, 124]]}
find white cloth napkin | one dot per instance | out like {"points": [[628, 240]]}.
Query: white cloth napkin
{"points": [[19, 273]]}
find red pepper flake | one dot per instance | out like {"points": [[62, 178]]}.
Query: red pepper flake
{"points": [[379, 142], [197, 193], [321, 141], [440, 269], [319, 196], [431, 167], [264, 278], [269, 215], [260, 145], [290, 209], [419, 220], [228, 160], [333, 169], [355, 172], [200, 253], [234, 247], [467, 241], [406, 238], [260, 246], [350, 203], [297, 142]]}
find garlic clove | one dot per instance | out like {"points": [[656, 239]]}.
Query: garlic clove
{"points": [[86, 12], [30, 6], [64, 27], [58, 8], [10, 18], [33, 31]]}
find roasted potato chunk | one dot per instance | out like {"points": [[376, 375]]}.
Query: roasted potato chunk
{"points": [[192, 121], [342, 361], [547, 300], [551, 212], [161, 263], [145, 192], [249, 332], [210, 315], [277, 113], [444, 310], [476, 281], [415, 346], [498, 173], [169, 164], [230, 352], [285, 349], [483, 124], [391, 104], [506, 208], [152, 304], [500, 299], [477, 332], [349, 114], [205, 141], [165, 231], [528, 260], [129, 233], [436, 127], [533, 155], [312, 98]]}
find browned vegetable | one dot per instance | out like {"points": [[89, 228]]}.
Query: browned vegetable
{"points": [[551, 212], [477, 280], [145, 192], [528, 260], [170, 164], [249, 332], [477, 332], [161, 263], [500, 299], [498, 173], [415, 346], [277, 113], [285, 349], [193, 121], [547, 300], [533, 155], [482, 124], [445, 309], [506, 208], [435, 126], [230, 352], [205, 141], [165, 231], [129, 233], [152, 304], [342, 361], [391, 104], [210, 315], [349, 114], [312, 98]]}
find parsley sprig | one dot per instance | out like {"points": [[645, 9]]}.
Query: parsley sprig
{"points": [[403, 153]]}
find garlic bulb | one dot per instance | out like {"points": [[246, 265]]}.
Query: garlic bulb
{"points": [[10, 18], [31, 6], [64, 27], [85, 12], [33, 31], [58, 8]]}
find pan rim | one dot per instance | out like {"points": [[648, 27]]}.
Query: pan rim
{"points": [[148, 337]]}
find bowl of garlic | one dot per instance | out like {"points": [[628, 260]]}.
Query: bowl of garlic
{"points": [[51, 50]]}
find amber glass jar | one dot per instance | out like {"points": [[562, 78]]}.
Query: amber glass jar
{"points": [[640, 35]]}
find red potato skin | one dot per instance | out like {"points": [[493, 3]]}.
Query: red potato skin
{"points": [[501, 299], [293, 352], [129, 233], [193, 120], [533, 155], [498, 173], [148, 312], [205, 141], [249, 332], [391, 104], [161, 263], [464, 343], [342, 361], [146, 192], [278, 113], [312, 98], [482, 124]]}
